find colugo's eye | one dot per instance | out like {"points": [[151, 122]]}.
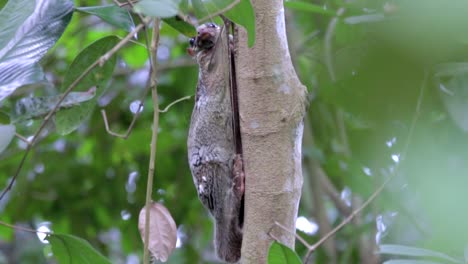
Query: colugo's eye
{"points": [[192, 42], [212, 25]]}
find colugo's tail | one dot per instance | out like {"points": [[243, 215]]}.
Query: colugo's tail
{"points": [[228, 241], [228, 228]]}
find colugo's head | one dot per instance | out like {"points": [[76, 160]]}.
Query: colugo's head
{"points": [[207, 35]]}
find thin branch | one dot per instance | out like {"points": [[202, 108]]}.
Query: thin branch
{"points": [[340, 123], [98, 62], [298, 237], [219, 12], [328, 44], [299, 48], [332, 192], [175, 102], [23, 228], [124, 41], [124, 4], [145, 93], [22, 138], [154, 135], [316, 190], [389, 178], [130, 127], [320, 211]]}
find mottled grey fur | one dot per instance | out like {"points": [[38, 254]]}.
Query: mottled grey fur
{"points": [[211, 149]]}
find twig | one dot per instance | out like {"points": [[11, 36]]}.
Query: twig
{"points": [[23, 228], [130, 127], [316, 189], [98, 62], [140, 106], [298, 237], [25, 140], [299, 48], [131, 5], [340, 123], [332, 192], [219, 12], [389, 178], [175, 102], [154, 135], [124, 4], [328, 44], [124, 41]]}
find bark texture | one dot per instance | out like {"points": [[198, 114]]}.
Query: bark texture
{"points": [[272, 106]]}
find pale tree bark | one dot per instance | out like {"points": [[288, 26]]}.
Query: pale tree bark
{"points": [[271, 106]]}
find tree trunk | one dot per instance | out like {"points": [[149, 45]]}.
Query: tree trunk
{"points": [[272, 106]]}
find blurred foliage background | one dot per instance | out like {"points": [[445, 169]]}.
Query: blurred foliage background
{"points": [[370, 72]]}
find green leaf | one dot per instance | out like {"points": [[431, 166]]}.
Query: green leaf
{"points": [[112, 14], [308, 7], [281, 254], [182, 26], [157, 8], [200, 8], [12, 17], [68, 120], [71, 249], [413, 252], [410, 261], [25, 37], [7, 133], [244, 15], [33, 107]]}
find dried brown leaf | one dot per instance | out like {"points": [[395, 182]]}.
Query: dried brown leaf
{"points": [[162, 231]]}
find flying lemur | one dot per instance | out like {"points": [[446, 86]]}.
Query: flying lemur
{"points": [[214, 159]]}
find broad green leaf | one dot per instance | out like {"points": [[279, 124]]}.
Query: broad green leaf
{"points": [[69, 249], [68, 120], [180, 25], [158, 8], [112, 14], [410, 261], [413, 252], [201, 8], [7, 132], [12, 17], [244, 15], [308, 7], [25, 37], [281, 254], [33, 107]]}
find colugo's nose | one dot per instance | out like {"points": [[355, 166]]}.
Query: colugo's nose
{"points": [[204, 35]]}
